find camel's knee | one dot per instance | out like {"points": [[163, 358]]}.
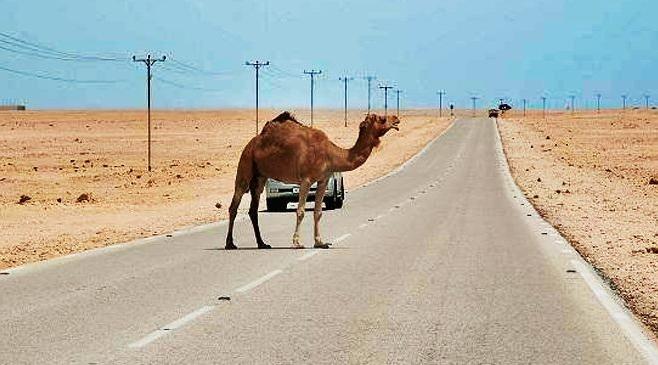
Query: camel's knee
{"points": [[317, 214], [300, 215], [253, 212]]}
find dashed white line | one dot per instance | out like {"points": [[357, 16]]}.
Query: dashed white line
{"points": [[258, 281], [308, 255], [170, 327], [363, 225], [343, 237]]}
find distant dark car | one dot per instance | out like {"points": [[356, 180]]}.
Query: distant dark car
{"points": [[504, 107], [493, 113]]}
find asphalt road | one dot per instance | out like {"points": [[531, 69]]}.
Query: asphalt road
{"points": [[442, 262]]}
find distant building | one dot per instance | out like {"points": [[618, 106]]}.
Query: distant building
{"points": [[12, 107]]}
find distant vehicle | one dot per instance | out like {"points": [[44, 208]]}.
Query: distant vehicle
{"points": [[279, 194], [493, 113], [504, 107]]}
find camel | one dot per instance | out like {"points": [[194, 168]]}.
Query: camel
{"points": [[290, 152]]}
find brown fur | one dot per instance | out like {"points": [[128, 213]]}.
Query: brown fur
{"points": [[288, 151]]}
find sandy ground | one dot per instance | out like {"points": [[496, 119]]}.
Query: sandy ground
{"points": [[589, 174], [54, 157]]}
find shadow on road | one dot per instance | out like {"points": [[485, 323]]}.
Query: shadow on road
{"points": [[274, 248]]}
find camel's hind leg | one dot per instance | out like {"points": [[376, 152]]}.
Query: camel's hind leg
{"points": [[256, 188], [240, 189], [303, 193], [317, 212], [243, 179]]}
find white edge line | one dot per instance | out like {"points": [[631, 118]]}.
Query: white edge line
{"points": [[170, 327], [621, 315], [626, 321], [258, 281]]}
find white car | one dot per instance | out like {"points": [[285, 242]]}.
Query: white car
{"points": [[279, 194]]}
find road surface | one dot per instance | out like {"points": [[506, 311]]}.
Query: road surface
{"points": [[441, 262]]}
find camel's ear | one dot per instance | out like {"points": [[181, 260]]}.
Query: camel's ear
{"points": [[372, 117]]}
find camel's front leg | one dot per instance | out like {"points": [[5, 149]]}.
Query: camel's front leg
{"points": [[317, 212], [303, 193]]}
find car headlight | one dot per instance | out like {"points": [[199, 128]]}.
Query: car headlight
{"points": [[274, 190]]}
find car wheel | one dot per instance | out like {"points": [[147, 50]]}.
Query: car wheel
{"points": [[276, 205]]}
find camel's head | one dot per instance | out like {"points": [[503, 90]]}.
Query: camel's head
{"points": [[378, 125]]}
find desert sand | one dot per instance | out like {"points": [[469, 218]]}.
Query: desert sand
{"points": [[75, 180], [595, 178]]}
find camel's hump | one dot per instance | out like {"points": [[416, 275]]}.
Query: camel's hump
{"points": [[285, 117]]}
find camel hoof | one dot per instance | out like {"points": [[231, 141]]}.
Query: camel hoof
{"points": [[230, 246], [264, 246], [322, 245]]}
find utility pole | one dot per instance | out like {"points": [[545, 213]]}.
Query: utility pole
{"points": [[543, 106], [501, 100], [369, 79], [397, 93], [598, 102], [474, 99], [257, 65], [441, 93], [149, 62], [646, 101], [385, 88], [312, 73], [524, 103], [572, 97], [623, 101], [345, 80]]}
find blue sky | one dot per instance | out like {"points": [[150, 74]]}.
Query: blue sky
{"points": [[490, 49]]}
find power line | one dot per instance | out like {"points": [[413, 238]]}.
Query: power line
{"points": [[369, 79], [149, 62], [56, 78], [345, 80], [257, 65], [474, 99], [312, 74], [65, 56], [397, 95], [184, 86], [385, 88], [441, 93]]}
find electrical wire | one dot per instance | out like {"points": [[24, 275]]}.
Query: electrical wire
{"points": [[57, 78], [183, 86], [68, 56]]}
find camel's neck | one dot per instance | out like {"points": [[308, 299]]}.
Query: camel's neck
{"points": [[350, 159]]}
